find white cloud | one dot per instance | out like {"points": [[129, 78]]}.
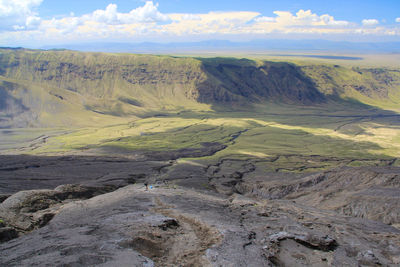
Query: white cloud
{"points": [[307, 18], [190, 17], [108, 16], [397, 19], [102, 24], [252, 23], [148, 13], [303, 22], [264, 19], [145, 14], [370, 22], [148, 23], [32, 22], [62, 26], [19, 14], [329, 20], [210, 23]]}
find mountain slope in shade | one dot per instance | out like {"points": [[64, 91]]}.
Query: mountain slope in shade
{"points": [[245, 80]]}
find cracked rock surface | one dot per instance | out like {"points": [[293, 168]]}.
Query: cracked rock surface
{"points": [[194, 215], [169, 226]]}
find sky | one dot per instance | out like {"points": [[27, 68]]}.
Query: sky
{"points": [[36, 23]]}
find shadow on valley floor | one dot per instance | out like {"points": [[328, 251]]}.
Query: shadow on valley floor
{"points": [[284, 92], [25, 172], [334, 114], [136, 159], [248, 139]]}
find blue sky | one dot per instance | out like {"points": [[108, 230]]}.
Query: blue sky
{"points": [[38, 22], [355, 10]]}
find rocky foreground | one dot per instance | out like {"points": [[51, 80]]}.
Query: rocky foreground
{"points": [[228, 214]]}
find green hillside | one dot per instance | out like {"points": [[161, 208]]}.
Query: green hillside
{"points": [[47, 83], [378, 87], [116, 85], [203, 108]]}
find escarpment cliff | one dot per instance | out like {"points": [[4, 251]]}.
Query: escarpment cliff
{"points": [[245, 80], [36, 85]]}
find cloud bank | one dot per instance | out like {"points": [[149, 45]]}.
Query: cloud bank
{"points": [[19, 14], [20, 22]]}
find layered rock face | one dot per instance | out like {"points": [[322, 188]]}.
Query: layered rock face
{"points": [[39, 84]]}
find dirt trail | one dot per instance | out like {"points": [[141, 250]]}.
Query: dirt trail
{"points": [[179, 241]]}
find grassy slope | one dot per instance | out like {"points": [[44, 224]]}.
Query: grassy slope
{"points": [[124, 85], [347, 129], [265, 136], [377, 87], [109, 84], [47, 110]]}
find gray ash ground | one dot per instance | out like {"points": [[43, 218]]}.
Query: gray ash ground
{"points": [[95, 211]]}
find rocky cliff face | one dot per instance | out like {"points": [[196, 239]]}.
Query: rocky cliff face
{"points": [[208, 80], [372, 86], [119, 85], [231, 80], [49, 83], [102, 76]]}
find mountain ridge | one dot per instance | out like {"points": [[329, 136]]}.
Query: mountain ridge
{"points": [[40, 85]]}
